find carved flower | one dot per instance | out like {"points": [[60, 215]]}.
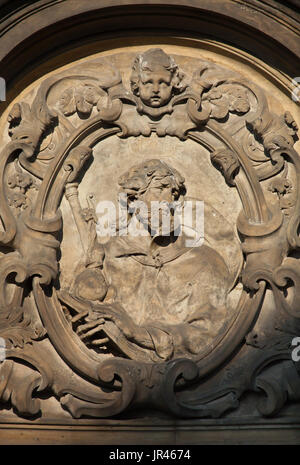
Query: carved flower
{"points": [[219, 105], [82, 99], [18, 200], [284, 190], [219, 111], [21, 180], [286, 204], [215, 94], [224, 100], [238, 101], [281, 185]]}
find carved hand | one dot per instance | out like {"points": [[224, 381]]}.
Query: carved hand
{"points": [[116, 313]]}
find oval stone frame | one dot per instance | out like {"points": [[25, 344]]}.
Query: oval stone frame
{"points": [[108, 387]]}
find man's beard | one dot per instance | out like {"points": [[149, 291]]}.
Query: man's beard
{"points": [[161, 222]]}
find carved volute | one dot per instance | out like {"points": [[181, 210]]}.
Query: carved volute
{"points": [[99, 306]]}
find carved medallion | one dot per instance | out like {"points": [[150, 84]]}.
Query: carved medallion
{"points": [[100, 305]]}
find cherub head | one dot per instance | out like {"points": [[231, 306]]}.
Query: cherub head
{"points": [[155, 78]]}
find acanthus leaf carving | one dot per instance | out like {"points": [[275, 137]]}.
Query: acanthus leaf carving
{"points": [[13, 375], [148, 362]]}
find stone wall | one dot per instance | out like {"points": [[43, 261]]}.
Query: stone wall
{"points": [[141, 334]]}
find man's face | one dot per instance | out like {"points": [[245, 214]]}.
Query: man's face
{"points": [[162, 196], [155, 89]]}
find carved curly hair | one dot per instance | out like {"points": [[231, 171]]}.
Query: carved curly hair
{"points": [[136, 181], [147, 60]]}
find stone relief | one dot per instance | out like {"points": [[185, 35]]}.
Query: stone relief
{"points": [[160, 293], [146, 319]]}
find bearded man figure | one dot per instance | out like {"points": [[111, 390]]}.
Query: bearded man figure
{"points": [[164, 298]]}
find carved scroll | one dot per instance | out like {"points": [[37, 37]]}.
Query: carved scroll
{"points": [[118, 356]]}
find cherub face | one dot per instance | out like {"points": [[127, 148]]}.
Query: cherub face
{"points": [[155, 89]]}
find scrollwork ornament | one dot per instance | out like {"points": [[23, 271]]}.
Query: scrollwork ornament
{"points": [[92, 341]]}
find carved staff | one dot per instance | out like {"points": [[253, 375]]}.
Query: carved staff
{"points": [[71, 193]]}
